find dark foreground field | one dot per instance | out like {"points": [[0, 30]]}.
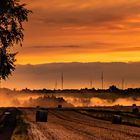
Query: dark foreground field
{"points": [[77, 124], [7, 123]]}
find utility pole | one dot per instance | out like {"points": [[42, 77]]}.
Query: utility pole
{"points": [[56, 85], [62, 81], [91, 84], [102, 79]]}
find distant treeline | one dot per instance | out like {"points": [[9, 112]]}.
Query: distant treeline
{"points": [[111, 94], [111, 89]]}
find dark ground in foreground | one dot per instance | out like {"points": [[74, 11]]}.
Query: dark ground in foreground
{"points": [[7, 124]]}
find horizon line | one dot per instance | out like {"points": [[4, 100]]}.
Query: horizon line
{"points": [[129, 62]]}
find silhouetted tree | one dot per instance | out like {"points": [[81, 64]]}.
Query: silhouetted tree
{"points": [[12, 15], [113, 88]]}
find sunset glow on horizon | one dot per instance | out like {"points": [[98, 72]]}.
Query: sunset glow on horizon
{"points": [[81, 31]]}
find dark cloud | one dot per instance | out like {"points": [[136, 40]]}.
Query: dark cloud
{"points": [[126, 49], [101, 16], [82, 48], [55, 47]]}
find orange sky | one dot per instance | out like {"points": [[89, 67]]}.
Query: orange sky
{"points": [[81, 31]]}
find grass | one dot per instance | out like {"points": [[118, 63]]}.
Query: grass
{"points": [[130, 119], [1, 113], [127, 117], [21, 130], [2, 110]]}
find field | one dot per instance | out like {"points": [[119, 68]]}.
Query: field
{"points": [[69, 124], [72, 123]]}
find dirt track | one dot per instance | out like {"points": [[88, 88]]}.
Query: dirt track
{"points": [[71, 125]]}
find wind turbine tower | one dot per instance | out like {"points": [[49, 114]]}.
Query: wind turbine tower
{"points": [[62, 81], [102, 79]]}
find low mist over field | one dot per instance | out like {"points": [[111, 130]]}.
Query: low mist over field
{"points": [[10, 98], [18, 99], [87, 102]]}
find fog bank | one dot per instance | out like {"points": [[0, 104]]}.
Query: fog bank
{"points": [[76, 75]]}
